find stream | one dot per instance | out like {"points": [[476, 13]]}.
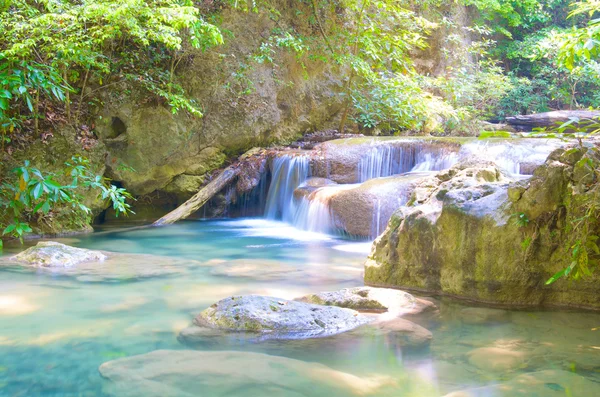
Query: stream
{"points": [[56, 330]]}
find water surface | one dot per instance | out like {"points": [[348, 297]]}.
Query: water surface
{"points": [[55, 331]]}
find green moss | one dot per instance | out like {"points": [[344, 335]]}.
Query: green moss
{"points": [[494, 134]]}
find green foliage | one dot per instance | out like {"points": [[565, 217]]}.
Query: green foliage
{"points": [[29, 196], [47, 47], [375, 46], [581, 44]]}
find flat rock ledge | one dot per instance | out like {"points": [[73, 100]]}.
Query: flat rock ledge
{"points": [[274, 318], [369, 299], [187, 373], [53, 254]]}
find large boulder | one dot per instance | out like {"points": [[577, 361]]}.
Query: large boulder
{"points": [[472, 232], [188, 373], [371, 300], [364, 210], [274, 318]]}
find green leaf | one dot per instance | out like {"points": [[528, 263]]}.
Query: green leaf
{"points": [[557, 276], [9, 229]]}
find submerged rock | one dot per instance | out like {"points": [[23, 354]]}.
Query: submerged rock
{"points": [[547, 383], [483, 315], [496, 359], [405, 332], [94, 266], [472, 232], [53, 254], [370, 299], [224, 373], [275, 318]]}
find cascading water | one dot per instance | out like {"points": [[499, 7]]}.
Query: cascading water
{"points": [[392, 159], [386, 173], [288, 172]]}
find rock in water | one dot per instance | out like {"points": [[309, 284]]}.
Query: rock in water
{"points": [[370, 299], [53, 254], [406, 332], [95, 266], [186, 373], [278, 318], [482, 315], [496, 359], [471, 232], [547, 383]]}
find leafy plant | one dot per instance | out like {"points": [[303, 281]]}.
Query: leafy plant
{"points": [[29, 196], [52, 49]]}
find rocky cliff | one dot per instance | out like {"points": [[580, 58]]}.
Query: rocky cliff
{"points": [[472, 232]]}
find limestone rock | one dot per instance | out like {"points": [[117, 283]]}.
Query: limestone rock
{"points": [[370, 299], [469, 232], [275, 318], [187, 373], [53, 254]]}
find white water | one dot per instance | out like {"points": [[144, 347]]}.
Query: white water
{"points": [[312, 212], [389, 158], [288, 173], [385, 159]]}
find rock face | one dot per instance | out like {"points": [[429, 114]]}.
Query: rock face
{"points": [[278, 318], [370, 299], [245, 104], [53, 254], [187, 373], [473, 233]]}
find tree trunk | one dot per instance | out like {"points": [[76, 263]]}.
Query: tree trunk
{"points": [[554, 119], [200, 198]]}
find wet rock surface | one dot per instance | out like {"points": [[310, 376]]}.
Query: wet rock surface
{"points": [[370, 299], [94, 266], [223, 373], [56, 255], [275, 318]]}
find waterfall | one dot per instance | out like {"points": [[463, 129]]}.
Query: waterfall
{"points": [[404, 162], [288, 172], [388, 159], [313, 214]]}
